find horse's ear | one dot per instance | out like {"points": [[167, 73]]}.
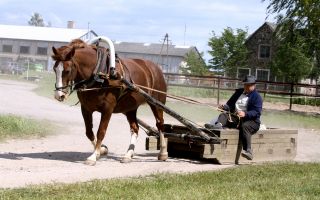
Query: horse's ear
{"points": [[54, 50], [70, 54]]}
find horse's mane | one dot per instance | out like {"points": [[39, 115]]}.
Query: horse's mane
{"points": [[73, 45], [64, 50], [77, 43]]}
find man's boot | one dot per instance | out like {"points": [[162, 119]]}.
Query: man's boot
{"points": [[247, 154]]}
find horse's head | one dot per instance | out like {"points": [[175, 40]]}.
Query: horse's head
{"points": [[65, 70]]}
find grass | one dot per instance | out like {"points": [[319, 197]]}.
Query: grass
{"points": [[196, 113], [270, 181], [12, 126], [274, 119], [224, 95], [290, 120]]}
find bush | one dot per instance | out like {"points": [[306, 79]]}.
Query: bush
{"points": [[307, 101]]}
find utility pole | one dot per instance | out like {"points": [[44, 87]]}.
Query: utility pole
{"points": [[165, 42], [184, 34], [88, 34]]}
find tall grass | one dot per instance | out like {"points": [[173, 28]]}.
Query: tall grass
{"points": [[12, 126], [270, 181]]}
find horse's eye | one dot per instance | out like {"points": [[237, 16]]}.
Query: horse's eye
{"points": [[66, 72]]}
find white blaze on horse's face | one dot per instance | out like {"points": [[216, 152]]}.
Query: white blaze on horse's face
{"points": [[59, 94]]}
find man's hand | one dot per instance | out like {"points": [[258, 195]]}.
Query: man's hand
{"points": [[241, 113], [221, 106]]}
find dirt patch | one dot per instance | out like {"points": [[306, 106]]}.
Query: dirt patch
{"points": [[59, 158]]}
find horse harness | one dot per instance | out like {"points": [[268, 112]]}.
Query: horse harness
{"points": [[101, 76]]}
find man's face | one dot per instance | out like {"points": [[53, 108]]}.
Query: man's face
{"points": [[249, 87]]}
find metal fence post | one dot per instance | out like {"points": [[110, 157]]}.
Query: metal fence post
{"points": [[265, 90], [291, 93], [218, 98]]}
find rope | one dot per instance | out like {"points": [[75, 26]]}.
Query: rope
{"points": [[229, 116], [184, 99], [293, 97]]}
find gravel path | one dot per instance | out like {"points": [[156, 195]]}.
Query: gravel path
{"points": [[59, 158]]}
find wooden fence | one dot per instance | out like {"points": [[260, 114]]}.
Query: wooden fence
{"points": [[219, 83]]}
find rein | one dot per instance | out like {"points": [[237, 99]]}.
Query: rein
{"points": [[192, 101]]}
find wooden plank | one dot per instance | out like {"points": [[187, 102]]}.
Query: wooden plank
{"points": [[292, 141], [152, 143]]}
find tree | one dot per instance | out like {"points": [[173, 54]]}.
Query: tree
{"points": [[228, 51], [36, 20], [300, 16], [194, 64], [291, 58], [290, 62]]}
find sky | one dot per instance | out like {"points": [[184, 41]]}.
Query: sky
{"points": [[187, 22]]}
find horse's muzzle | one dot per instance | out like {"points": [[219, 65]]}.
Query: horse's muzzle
{"points": [[60, 96]]}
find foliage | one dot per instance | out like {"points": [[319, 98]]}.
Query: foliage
{"points": [[307, 101], [228, 51], [269, 181], [303, 16], [194, 64], [36, 20], [291, 62]]}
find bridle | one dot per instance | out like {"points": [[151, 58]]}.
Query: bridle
{"points": [[72, 85], [102, 79]]}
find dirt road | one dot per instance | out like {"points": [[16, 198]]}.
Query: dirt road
{"points": [[59, 158]]}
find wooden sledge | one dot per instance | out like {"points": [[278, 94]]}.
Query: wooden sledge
{"points": [[222, 145], [267, 145]]}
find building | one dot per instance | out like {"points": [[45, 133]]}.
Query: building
{"points": [[20, 45], [29, 45], [169, 57], [261, 47]]}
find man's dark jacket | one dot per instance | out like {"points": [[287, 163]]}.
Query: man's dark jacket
{"points": [[254, 106]]}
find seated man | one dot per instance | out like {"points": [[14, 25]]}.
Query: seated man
{"points": [[242, 111]]}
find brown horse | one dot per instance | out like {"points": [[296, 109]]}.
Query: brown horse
{"points": [[76, 62]]}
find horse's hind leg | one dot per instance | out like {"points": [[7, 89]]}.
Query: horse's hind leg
{"points": [[158, 114], [134, 128]]}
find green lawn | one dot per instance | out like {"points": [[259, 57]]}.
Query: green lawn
{"points": [[12, 126], [273, 119], [269, 181]]}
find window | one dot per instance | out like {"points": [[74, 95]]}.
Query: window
{"points": [[264, 51], [7, 48], [24, 49], [262, 74], [42, 51], [243, 72]]}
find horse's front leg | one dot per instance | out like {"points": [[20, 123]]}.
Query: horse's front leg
{"points": [[98, 148], [87, 116]]}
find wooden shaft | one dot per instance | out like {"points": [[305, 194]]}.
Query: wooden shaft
{"points": [[167, 110]]}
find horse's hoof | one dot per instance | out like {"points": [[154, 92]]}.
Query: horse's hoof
{"points": [[125, 160], [104, 150], [90, 162], [163, 156]]}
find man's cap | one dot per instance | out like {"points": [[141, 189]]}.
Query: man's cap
{"points": [[249, 80]]}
